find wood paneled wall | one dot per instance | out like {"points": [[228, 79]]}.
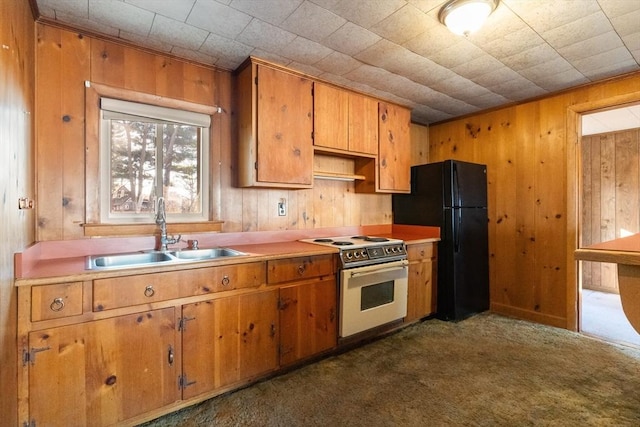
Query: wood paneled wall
{"points": [[533, 173], [67, 59], [16, 179], [610, 198]]}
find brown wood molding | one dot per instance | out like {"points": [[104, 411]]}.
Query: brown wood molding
{"points": [[104, 230]]}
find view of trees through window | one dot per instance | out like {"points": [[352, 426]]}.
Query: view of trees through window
{"points": [[152, 159]]}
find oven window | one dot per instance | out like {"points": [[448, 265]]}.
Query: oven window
{"points": [[376, 295]]}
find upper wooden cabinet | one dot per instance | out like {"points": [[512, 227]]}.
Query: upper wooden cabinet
{"points": [[345, 120], [275, 128], [394, 155]]}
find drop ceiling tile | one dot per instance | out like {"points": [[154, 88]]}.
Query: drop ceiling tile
{"points": [[587, 27], [517, 89], [615, 8], [88, 24], [271, 57], [338, 63], [79, 8], [435, 38], [122, 16], [233, 52], [403, 24], [478, 66], [305, 51], [361, 12], [312, 22], [456, 54], [513, 43], [351, 39], [500, 24], [487, 100], [178, 10], [430, 74], [585, 48], [496, 77], [602, 61], [611, 69], [556, 81], [146, 41], [177, 33], [273, 11], [218, 19], [459, 87], [539, 71], [427, 5], [543, 15], [193, 55], [627, 24], [530, 57], [307, 69], [265, 36], [388, 55]]}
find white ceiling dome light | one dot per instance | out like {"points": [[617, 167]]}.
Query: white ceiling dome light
{"points": [[464, 17]]}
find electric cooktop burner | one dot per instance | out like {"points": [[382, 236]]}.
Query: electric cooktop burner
{"points": [[364, 250]]}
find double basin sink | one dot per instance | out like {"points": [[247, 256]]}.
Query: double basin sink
{"points": [[141, 259]]}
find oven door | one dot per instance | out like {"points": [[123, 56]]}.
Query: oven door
{"points": [[371, 296]]}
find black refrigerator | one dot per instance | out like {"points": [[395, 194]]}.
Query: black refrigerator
{"points": [[452, 195]]}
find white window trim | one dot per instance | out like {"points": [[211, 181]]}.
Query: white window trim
{"points": [[158, 113]]}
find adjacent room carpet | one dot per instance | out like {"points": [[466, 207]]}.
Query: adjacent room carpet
{"points": [[487, 370]]}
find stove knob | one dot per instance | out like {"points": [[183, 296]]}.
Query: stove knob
{"points": [[357, 254], [349, 255], [395, 249], [363, 253]]}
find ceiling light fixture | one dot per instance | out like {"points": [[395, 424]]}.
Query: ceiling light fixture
{"points": [[464, 17]]}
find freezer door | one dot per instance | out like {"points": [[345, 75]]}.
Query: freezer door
{"points": [[463, 286], [465, 184]]}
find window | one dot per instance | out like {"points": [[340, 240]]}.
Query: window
{"points": [[148, 152]]}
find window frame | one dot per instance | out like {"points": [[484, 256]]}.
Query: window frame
{"points": [[113, 109], [92, 226]]}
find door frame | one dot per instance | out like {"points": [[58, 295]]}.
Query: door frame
{"points": [[574, 190]]}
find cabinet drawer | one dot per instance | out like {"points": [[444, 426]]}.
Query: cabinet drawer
{"points": [[224, 278], [55, 301], [285, 270], [421, 251], [133, 290]]}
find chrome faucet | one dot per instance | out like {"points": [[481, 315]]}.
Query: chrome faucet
{"points": [[161, 220]]}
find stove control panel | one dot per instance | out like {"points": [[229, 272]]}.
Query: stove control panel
{"points": [[373, 254]]}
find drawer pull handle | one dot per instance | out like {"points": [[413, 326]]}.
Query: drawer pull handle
{"points": [[57, 304], [422, 253], [149, 291], [225, 281], [301, 269], [170, 356]]}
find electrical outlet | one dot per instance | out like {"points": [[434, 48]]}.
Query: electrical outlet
{"points": [[282, 207]]}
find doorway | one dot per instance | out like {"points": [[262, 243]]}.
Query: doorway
{"points": [[610, 208]]}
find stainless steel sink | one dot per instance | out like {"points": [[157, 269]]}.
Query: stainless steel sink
{"points": [[200, 254], [139, 259]]}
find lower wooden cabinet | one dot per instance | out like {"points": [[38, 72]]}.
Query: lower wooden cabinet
{"points": [[422, 279], [228, 340], [308, 323], [103, 372]]}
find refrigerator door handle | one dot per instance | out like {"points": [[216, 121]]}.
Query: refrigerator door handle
{"points": [[456, 230], [456, 190]]}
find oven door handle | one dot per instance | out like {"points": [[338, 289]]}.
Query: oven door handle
{"points": [[381, 270]]}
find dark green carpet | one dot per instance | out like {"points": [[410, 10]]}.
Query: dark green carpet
{"points": [[488, 370]]}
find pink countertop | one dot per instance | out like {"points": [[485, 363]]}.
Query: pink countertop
{"points": [[48, 262]]}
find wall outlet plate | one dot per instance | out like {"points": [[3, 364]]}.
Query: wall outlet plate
{"points": [[282, 208]]}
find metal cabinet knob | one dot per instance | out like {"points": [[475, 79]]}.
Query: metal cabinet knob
{"points": [[149, 291], [301, 269], [57, 304], [225, 280]]}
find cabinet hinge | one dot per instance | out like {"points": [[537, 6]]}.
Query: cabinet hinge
{"points": [[255, 80], [183, 382], [30, 356], [312, 136], [31, 423], [182, 323], [255, 165]]}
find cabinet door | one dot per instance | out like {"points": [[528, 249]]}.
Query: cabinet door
{"points": [[103, 372], [307, 319], [363, 124], [228, 340], [331, 117], [422, 276], [394, 157], [285, 126]]}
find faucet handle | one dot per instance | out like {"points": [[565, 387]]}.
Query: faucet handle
{"points": [[192, 244]]}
